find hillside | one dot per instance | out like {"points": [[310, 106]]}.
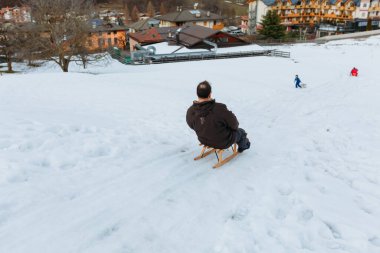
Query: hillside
{"points": [[214, 5], [101, 160]]}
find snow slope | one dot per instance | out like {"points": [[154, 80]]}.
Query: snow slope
{"points": [[103, 162]]}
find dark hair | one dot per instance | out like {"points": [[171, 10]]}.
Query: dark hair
{"points": [[203, 89]]}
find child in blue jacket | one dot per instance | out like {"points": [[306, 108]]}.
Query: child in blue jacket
{"points": [[297, 81]]}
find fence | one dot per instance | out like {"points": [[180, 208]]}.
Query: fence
{"points": [[194, 56]]}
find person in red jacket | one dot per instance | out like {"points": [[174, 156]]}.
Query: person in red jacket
{"points": [[354, 72]]}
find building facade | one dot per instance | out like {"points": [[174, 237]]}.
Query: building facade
{"points": [[15, 14], [374, 10], [312, 12], [194, 17], [104, 37]]}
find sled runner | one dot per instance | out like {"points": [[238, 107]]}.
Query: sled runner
{"points": [[219, 154]]}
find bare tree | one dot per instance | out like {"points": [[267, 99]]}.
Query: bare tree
{"points": [[63, 29], [127, 16], [151, 11], [135, 14], [163, 9], [7, 45], [12, 44]]}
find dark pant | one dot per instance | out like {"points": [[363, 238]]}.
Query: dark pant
{"points": [[298, 85], [241, 140]]}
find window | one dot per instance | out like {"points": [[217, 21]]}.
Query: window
{"points": [[100, 33], [100, 42], [224, 40], [90, 43], [115, 41], [109, 42], [364, 5], [109, 33]]}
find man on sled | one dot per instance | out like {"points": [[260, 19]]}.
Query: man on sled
{"points": [[216, 127]]}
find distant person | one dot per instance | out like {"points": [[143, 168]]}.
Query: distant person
{"points": [[297, 82], [214, 124], [354, 72]]}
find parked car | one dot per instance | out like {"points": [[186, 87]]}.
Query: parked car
{"points": [[237, 33]]}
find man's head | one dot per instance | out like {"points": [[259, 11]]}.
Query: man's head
{"points": [[204, 90]]}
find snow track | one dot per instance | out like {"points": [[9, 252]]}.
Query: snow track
{"points": [[104, 163]]}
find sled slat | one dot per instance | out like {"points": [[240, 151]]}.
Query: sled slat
{"points": [[204, 153], [219, 153], [226, 160]]}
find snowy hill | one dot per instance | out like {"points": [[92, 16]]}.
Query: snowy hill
{"points": [[103, 162]]}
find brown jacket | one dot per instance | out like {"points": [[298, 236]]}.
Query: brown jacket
{"points": [[213, 123]]}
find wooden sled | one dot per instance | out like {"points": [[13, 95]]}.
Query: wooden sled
{"points": [[219, 154]]}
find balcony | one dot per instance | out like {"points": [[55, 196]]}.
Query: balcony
{"points": [[374, 8], [329, 16], [326, 7], [290, 7]]}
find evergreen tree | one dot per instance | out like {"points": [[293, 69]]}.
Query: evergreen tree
{"points": [[272, 27], [151, 11]]}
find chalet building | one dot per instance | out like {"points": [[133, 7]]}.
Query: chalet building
{"points": [[374, 10], [107, 36], [256, 12], [194, 17], [144, 24], [244, 24], [368, 11], [194, 36], [312, 12], [151, 36]]}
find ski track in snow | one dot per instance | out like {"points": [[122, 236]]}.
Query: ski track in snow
{"points": [[104, 163]]}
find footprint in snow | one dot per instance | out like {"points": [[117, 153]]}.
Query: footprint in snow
{"points": [[305, 215], [284, 189], [333, 229], [375, 241], [107, 232], [240, 214]]}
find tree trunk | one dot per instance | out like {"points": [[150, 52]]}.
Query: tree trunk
{"points": [[9, 63], [84, 61], [65, 65]]}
